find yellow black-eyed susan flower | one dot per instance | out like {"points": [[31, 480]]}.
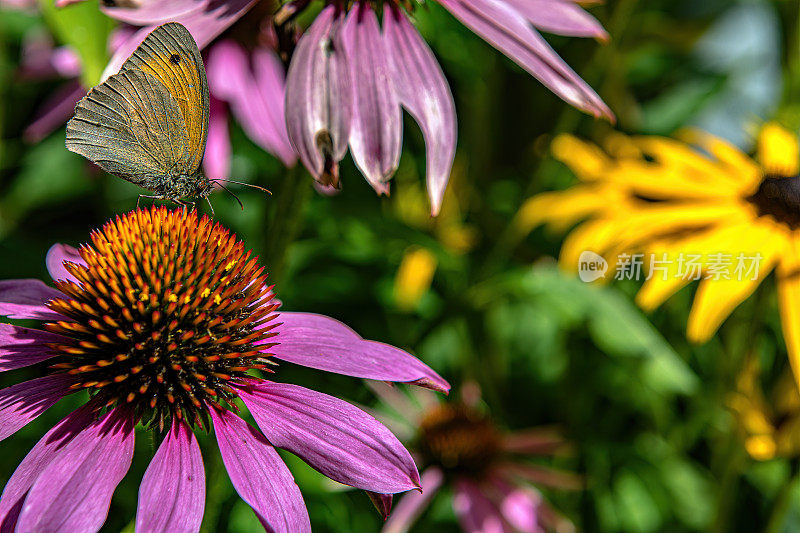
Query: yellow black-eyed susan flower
{"points": [[694, 208]]}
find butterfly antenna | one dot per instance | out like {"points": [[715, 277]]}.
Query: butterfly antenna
{"points": [[209, 205], [245, 184], [231, 193]]}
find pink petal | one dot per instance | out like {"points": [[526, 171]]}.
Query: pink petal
{"points": [[518, 505], [424, 92], [40, 59], [259, 475], [25, 298], [253, 85], [475, 511], [156, 12], [173, 490], [377, 129], [270, 82], [56, 255], [73, 492], [336, 438], [34, 463], [413, 504], [205, 21], [217, 159], [55, 111], [319, 106], [323, 343], [21, 347], [507, 30], [562, 17], [18, 4], [22, 403]]}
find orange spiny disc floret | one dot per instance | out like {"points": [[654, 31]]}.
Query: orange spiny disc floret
{"points": [[170, 311]]}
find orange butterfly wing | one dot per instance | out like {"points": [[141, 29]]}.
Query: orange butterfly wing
{"points": [[170, 54]]}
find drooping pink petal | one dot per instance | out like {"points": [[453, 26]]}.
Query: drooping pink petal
{"points": [[205, 22], [541, 475], [475, 511], [56, 255], [34, 463], [411, 505], [270, 81], [562, 17], [22, 403], [173, 490], [73, 492], [253, 85], [155, 12], [55, 111], [319, 102], [217, 159], [377, 128], [259, 475], [507, 30], [382, 502], [323, 343], [336, 438], [21, 347], [424, 92], [536, 441], [518, 505], [25, 298]]}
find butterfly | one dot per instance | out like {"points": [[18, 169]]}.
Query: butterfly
{"points": [[148, 123]]}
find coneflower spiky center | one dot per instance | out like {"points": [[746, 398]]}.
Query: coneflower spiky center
{"points": [[459, 439], [169, 315]]}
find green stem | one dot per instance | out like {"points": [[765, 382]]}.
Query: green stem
{"points": [[286, 221], [218, 491]]}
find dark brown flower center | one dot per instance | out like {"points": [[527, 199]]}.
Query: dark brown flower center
{"points": [[169, 313], [779, 197], [459, 439]]}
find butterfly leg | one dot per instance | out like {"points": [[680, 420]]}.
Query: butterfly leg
{"points": [[146, 196]]}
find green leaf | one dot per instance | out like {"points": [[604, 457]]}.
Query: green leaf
{"points": [[616, 325], [85, 29]]}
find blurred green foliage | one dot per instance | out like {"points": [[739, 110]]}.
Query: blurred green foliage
{"points": [[646, 411]]}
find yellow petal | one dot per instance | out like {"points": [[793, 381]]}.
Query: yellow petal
{"points": [[664, 182], [741, 167], [559, 209], [414, 277], [778, 150], [717, 298], [596, 236], [586, 160], [789, 302]]}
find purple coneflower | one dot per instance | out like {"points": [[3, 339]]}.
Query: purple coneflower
{"points": [[488, 470], [163, 319], [350, 76]]}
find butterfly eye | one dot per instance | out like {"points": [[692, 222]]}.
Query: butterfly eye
{"points": [[175, 59]]}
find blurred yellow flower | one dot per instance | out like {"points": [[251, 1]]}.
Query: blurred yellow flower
{"points": [[671, 200], [769, 429], [414, 277], [412, 207]]}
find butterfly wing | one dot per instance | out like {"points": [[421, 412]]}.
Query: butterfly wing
{"points": [[170, 54], [130, 126]]}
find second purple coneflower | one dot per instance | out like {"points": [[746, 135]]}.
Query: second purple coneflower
{"points": [[489, 470]]}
